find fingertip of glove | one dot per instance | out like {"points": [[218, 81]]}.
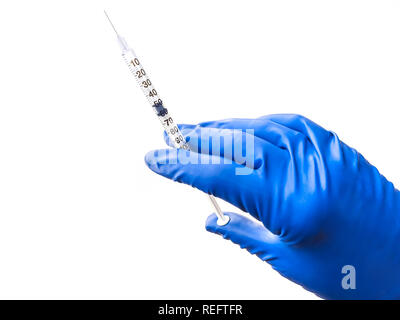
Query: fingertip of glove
{"points": [[149, 158], [152, 160], [211, 223]]}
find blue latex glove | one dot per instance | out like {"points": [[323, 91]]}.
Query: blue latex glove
{"points": [[321, 204]]}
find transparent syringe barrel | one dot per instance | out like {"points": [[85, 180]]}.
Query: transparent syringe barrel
{"points": [[163, 114], [154, 99]]}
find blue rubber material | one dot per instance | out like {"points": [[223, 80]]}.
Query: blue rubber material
{"points": [[321, 206]]}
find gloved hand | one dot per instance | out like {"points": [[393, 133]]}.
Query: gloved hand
{"points": [[330, 221]]}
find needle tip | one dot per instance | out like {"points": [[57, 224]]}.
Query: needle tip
{"points": [[109, 20]]}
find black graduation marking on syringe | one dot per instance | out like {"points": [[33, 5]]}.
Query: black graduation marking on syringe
{"points": [[161, 111]]}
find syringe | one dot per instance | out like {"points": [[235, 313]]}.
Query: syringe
{"points": [[163, 114]]}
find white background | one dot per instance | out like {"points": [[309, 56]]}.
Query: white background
{"points": [[81, 216]]}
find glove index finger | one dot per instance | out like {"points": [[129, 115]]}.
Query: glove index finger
{"points": [[231, 182]]}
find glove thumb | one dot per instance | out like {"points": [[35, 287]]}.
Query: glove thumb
{"points": [[248, 235]]}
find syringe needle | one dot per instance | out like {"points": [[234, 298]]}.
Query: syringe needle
{"points": [[112, 25]]}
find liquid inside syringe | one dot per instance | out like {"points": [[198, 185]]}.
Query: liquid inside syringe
{"points": [[154, 99]]}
